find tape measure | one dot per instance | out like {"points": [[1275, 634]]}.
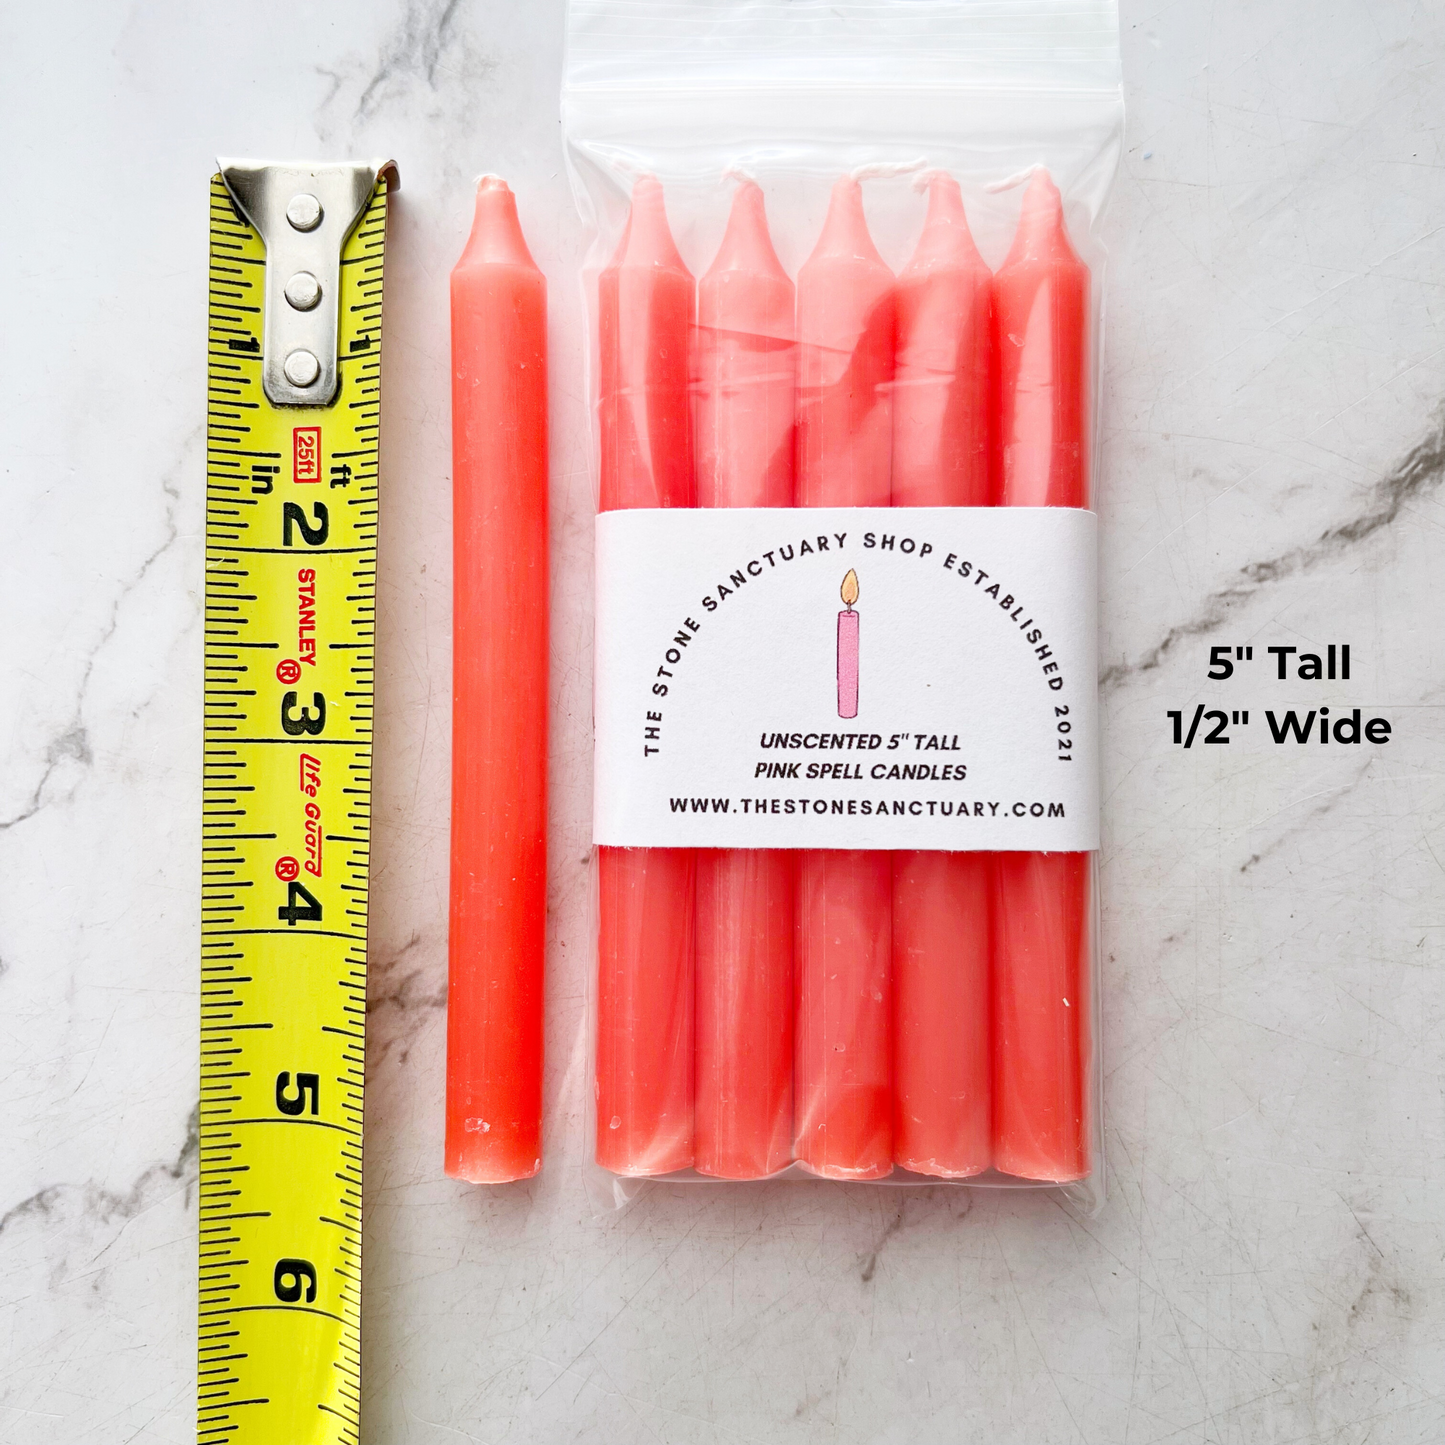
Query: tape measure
{"points": [[294, 378]]}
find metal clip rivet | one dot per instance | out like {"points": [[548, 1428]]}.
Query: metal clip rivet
{"points": [[303, 291], [301, 368], [304, 212]]}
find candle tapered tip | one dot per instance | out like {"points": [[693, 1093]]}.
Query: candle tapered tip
{"points": [[945, 200], [746, 244], [1041, 231], [496, 237], [647, 238], [946, 239], [845, 228], [1042, 201]]}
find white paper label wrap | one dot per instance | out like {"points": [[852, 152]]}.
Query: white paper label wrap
{"points": [[741, 703]]}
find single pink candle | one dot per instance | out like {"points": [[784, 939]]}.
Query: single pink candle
{"points": [[643, 1088], [848, 648], [1041, 977], [499, 754], [942, 450], [842, 1062], [746, 371]]}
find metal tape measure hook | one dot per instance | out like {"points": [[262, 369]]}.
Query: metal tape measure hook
{"points": [[303, 213]]}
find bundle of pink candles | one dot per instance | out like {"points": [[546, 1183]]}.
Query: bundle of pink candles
{"points": [[852, 1012]]}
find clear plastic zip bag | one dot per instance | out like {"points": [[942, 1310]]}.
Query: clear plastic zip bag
{"points": [[844, 293]]}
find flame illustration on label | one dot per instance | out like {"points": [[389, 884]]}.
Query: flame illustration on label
{"points": [[848, 648]]}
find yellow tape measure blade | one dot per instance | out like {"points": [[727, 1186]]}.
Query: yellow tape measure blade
{"points": [[291, 527]]}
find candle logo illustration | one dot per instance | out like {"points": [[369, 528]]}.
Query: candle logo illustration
{"points": [[848, 648]]}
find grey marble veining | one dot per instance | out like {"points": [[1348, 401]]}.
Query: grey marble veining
{"points": [[1270, 1265]]}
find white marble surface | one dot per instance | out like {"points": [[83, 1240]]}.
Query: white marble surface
{"points": [[1270, 1265]]}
